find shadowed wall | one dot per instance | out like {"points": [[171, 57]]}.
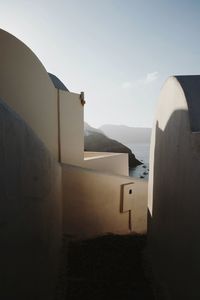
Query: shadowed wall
{"points": [[174, 190], [30, 212]]}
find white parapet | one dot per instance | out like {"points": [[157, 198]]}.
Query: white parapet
{"points": [[114, 163]]}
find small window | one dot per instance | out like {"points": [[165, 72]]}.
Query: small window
{"points": [[130, 191]]}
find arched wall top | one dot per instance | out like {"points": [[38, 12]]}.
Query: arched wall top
{"points": [[7, 39], [27, 88], [191, 88], [179, 101], [171, 98]]}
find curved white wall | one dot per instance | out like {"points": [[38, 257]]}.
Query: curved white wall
{"points": [[171, 99], [25, 85], [174, 190]]}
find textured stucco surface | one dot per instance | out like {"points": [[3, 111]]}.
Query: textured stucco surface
{"points": [[30, 212], [174, 193]]}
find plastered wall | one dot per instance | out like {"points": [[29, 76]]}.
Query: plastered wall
{"points": [[25, 85], [91, 203], [30, 212], [71, 128], [173, 222]]}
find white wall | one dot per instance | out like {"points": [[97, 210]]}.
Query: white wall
{"points": [[31, 188], [174, 190], [71, 128], [92, 203], [115, 163], [26, 87], [30, 212], [171, 99]]}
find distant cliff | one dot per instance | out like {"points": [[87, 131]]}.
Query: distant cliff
{"points": [[127, 135], [96, 140]]}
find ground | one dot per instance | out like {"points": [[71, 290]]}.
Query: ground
{"points": [[107, 267]]}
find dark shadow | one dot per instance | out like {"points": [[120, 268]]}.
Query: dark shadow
{"points": [[107, 267], [173, 227], [190, 85], [30, 222]]}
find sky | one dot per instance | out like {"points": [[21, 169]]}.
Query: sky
{"points": [[119, 52]]}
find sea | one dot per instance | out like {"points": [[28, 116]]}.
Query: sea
{"points": [[141, 152]]}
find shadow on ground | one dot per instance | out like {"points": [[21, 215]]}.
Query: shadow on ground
{"points": [[107, 267]]}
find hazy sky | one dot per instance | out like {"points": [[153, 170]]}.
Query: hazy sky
{"points": [[119, 52]]}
